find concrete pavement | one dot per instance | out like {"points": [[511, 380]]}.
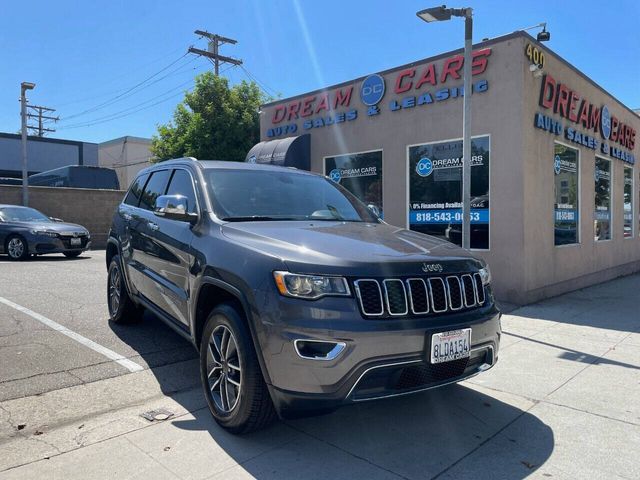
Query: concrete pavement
{"points": [[562, 403]]}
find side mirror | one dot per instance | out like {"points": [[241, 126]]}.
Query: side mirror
{"points": [[375, 210], [174, 207]]}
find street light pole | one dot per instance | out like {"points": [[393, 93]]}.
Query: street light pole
{"points": [[439, 14], [24, 86], [466, 131]]}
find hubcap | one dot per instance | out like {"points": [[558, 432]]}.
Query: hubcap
{"points": [[114, 289], [16, 248], [223, 369]]}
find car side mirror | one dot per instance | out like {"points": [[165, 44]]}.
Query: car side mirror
{"points": [[375, 210], [174, 207]]}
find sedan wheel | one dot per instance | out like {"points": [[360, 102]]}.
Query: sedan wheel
{"points": [[17, 248], [223, 369]]}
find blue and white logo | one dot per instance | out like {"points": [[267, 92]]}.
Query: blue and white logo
{"points": [[335, 175], [556, 165], [252, 159], [605, 122], [424, 167], [372, 89]]}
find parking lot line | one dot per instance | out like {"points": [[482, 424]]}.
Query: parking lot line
{"points": [[110, 354]]}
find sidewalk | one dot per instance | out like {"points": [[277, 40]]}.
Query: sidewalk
{"points": [[562, 403]]}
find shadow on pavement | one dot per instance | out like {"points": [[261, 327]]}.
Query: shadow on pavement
{"points": [[439, 432], [54, 257]]}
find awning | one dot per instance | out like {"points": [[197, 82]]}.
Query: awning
{"points": [[288, 152]]}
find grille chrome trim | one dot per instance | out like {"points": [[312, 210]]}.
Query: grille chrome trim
{"points": [[359, 295], [449, 299], [444, 289], [426, 293], [386, 296], [479, 287], [464, 291]]}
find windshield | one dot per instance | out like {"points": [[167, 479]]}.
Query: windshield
{"points": [[22, 214], [246, 195]]}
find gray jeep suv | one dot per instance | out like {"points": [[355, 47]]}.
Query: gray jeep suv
{"points": [[298, 298]]}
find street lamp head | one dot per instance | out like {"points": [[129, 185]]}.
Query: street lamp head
{"points": [[27, 86], [435, 14], [543, 36]]}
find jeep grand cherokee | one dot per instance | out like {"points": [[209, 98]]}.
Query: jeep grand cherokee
{"points": [[297, 296]]}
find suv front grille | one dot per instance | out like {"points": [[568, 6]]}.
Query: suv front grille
{"points": [[419, 296]]}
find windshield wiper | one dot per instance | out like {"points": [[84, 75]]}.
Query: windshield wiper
{"points": [[257, 218]]}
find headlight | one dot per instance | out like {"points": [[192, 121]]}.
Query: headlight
{"points": [[485, 275], [45, 233], [310, 286]]}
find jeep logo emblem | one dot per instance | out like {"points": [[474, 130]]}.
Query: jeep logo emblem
{"points": [[431, 267]]}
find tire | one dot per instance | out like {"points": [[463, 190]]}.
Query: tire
{"points": [[226, 338], [17, 248], [72, 254], [121, 308]]}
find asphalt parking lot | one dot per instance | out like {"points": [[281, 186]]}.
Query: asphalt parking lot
{"points": [[562, 402]]}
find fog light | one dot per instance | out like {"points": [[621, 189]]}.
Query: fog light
{"points": [[318, 349]]}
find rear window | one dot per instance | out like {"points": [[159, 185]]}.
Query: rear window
{"points": [[135, 192]]}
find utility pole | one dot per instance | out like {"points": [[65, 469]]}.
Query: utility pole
{"points": [[40, 129], [215, 41], [24, 86]]}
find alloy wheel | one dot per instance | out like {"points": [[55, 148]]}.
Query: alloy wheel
{"points": [[114, 289], [15, 248], [223, 369]]}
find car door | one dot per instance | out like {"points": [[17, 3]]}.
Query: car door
{"points": [[172, 259], [126, 223]]}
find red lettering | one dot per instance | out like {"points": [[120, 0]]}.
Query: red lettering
{"points": [[573, 98], [323, 104], [547, 92], [480, 60], [293, 110], [428, 76], [621, 132], [614, 129], [342, 99], [583, 114], [451, 67], [278, 114], [627, 134], [307, 106], [632, 139], [562, 101], [399, 87], [594, 119]]}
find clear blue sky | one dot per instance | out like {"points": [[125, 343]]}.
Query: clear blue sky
{"points": [[85, 53]]}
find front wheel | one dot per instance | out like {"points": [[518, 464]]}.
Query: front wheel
{"points": [[121, 308], [231, 377], [17, 248]]}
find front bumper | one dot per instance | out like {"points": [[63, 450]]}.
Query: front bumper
{"points": [[42, 244], [381, 358]]}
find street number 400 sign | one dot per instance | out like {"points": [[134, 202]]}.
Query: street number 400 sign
{"points": [[534, 54]]}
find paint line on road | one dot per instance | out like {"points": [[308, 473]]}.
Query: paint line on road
{"points": [[110, 354]]}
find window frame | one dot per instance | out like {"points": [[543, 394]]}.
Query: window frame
{"points": [[137, 205], [579, 183], [151, 174], [611, 199], [193, 185]]}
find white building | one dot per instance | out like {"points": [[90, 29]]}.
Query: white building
{"points": [[126, 155]]}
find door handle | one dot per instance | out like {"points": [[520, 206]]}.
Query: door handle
{"points": [[127, 216], [153, 226]]}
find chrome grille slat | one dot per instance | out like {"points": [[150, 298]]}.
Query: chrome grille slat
{"points": [[397, 297]]}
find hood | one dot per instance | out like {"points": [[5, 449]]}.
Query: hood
{"points": [[58, 227], [342, 247]]}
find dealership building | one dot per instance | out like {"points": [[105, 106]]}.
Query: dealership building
{"points": [[555, 185]]}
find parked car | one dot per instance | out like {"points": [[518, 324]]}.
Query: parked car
{"points": [[298, 298], [26, 231]]}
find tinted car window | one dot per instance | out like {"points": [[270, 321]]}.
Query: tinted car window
{"points": [[155, 187], [181, 184], [135, 192]]}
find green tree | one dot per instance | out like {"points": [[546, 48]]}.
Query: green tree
{"points": [[214, 122]]}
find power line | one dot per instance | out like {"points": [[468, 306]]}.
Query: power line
{"points": [[265, 88], [40, 129]]}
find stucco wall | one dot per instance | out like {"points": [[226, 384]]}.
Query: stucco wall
{"points": [[496, 112], [127, 156], [92, 209]]}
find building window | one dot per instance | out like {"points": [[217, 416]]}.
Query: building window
{"points": [[627, 213], [435, 190], [566, 166], [602, 210], [361, 174]]}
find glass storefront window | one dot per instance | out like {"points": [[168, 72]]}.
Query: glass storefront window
{"points": [[627, 212], [566, 166], [435, 190], [361, 174], [602, 210]]}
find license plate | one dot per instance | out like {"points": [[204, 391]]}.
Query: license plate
{"points": [[448, 346], [76, 241]]}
